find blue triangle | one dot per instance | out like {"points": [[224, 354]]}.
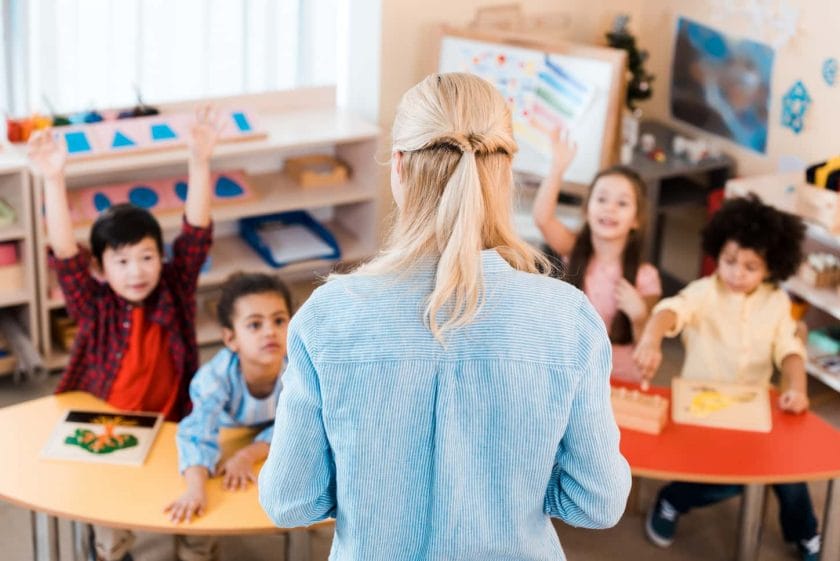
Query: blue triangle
{"points": [[162, 132], [121, 140]]}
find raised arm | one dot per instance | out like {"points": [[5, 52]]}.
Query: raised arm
{"points": [[558, 237], [203, 137], [48, 158]]}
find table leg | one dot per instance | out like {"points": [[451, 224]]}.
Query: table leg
{"points": [[831, 523], [298, 547], [749, 526], [650, 251], [44, 534]]}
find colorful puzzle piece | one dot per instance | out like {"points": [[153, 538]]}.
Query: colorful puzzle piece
{"points": [[87, 140], [829, 71], [639, 411], [159, 196], [794, 106]]}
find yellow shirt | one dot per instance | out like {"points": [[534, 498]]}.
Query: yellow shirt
{"points": [[732, 337]]}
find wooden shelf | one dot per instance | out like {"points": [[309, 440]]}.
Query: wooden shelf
{"points": [[273, 192], [827, 299], [304, 128], [15, 298], [7, 365], [207, 331], [231, 254], [821, 374], [14, 232]]}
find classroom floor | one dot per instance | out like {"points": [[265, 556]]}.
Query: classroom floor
{"points": [[708, 533]]}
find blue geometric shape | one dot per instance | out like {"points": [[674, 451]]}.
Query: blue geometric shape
{"points": [[227, 188], [77, 142], [794, 106], [829, 71], [241, 122], [121, 140], [143, 196], [181, 190], [101, 202], [161, 131]]}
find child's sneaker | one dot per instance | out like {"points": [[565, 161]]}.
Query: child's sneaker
{"points": [[809, 550], [661, 523]]}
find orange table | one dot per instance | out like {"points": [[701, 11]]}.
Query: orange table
{"points": [[799, 448], [111, 495]]}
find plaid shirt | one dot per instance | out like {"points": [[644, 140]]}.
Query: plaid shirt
{"points": [[104, 318]]}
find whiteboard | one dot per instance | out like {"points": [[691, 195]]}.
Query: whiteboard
{"points": [[545, 90]]}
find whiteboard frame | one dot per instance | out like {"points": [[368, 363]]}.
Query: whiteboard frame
{"points": [[616, 58]]}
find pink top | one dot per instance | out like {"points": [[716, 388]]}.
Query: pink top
{"points": [[600, 286]]}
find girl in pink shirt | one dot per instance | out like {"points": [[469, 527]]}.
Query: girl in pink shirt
{"points": [[604, 259]]}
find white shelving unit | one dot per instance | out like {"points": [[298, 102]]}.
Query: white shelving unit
{"points": [[776, 190], [298, 122], [21, 302]]}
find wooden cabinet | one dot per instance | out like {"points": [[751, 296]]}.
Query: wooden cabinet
{"points": [[17, 288]]}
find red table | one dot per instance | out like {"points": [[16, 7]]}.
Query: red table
{"points": [[799, 448]]}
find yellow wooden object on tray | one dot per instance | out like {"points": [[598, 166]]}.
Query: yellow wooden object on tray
{"points": [[721, 405]]}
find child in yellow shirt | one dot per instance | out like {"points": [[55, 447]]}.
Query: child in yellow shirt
{"points": [[736, 326]]}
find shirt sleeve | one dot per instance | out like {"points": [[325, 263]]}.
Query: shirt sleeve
{"points": [[648, 282], [685, 304], [198, 433], [297, 484], [77, 283], [785, 341], [590, 480], [189, 251]]}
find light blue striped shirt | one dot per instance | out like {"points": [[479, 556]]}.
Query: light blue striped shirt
{"points": [[422, 452], [220, 398]]}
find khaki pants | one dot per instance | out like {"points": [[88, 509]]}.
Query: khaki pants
{"points": [[112, 544]]}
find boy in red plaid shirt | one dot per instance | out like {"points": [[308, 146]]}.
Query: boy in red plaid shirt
{"points": [[136, 347]]}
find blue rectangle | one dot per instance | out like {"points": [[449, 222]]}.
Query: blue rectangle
{"points": [[242, 122], [77, 142]]}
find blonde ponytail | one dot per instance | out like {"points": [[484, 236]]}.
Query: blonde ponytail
{"points": [[455, 136]]}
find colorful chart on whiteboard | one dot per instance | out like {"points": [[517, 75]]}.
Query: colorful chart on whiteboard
{"points": [[545, 91]]}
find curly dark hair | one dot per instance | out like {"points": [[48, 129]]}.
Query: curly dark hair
{"points": [[774, 235], [238, 285]]}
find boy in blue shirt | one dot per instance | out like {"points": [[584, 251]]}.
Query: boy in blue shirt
{"points": [[239, 387]]}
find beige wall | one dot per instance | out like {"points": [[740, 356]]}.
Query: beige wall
{"points": [[800, 59]]}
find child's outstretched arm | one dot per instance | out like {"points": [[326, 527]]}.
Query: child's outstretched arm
{"points": [[203, 137], [648, 352], [238, 471], [194, 500], [558, 237], [49, 157], [794, 398]]}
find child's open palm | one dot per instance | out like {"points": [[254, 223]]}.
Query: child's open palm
{"points": [[630, 301], [192, 503], [563, 150], [205, 132], [47, 155], [238, 473]]}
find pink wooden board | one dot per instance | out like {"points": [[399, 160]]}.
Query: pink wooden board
{"points": [[158, 196], [108, 138]]}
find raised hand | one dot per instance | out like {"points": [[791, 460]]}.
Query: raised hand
{"points": [[563, 150], [47, 155], [205, 132]]}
